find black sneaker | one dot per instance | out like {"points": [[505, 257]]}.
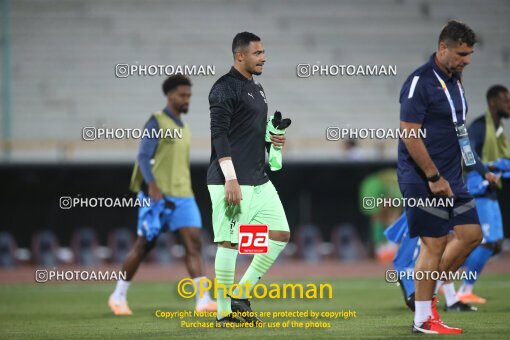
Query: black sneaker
{"points": [[410, 302], [228, 322], [460, 307], [243, 307]]}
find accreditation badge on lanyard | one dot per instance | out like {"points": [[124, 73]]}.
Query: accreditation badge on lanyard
{"points": [[462, 134]]}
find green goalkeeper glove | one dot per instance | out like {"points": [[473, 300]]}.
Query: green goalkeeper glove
{"points": [[276, 126]]}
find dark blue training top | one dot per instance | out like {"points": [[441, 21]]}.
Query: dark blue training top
{"points": [[148, 146], [422, 100]]}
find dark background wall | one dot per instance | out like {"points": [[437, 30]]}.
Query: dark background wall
{"points": [[321, 194]]}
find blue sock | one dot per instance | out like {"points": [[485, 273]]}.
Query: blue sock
{"points": [[476, 261]]}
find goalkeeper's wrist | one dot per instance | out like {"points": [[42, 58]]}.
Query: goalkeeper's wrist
{"points": [[227, 167]]}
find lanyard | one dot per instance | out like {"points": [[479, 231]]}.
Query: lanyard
{"points": [[450, 101]]}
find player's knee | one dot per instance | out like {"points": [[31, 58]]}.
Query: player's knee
{"points": [[285, 237], [227, 244], [471, 237], [472, 240], [434, 247], [475, 238], [144, 247], [434, 252], [279, 235]]}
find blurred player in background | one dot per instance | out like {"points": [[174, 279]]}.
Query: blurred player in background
{"points": [[240, 190], [162, 173], [489, 141], [381, 184], [405, 257], [432, 98]]}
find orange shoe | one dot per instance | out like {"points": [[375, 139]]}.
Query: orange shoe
{"points": [[471, 298], [433, 326], [119, 307], [386, 252], [210, 306]]}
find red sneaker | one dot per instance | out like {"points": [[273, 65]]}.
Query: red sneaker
{"points": [[433, 326], [435, 314]]}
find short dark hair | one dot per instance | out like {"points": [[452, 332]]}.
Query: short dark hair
{"points": [[457, 32], [172, 82], [242, 40], [494, 91]]}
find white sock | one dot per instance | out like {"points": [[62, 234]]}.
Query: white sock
{"points": [[449, 294], [466, 288], [423, 309], [439, 283], [121, 289], [205, 294]]}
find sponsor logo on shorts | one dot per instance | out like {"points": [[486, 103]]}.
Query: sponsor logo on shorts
{"points": [[253, 239]]}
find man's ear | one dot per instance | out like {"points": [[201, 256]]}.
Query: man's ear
{"points": [[239, 55], [442, 47]]}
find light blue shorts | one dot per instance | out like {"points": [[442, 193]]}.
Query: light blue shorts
{"points": [[185, 214]]}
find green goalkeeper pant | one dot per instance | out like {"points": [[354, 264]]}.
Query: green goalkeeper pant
{"points": [[260, 205]]}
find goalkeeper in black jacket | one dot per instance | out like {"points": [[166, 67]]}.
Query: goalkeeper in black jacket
{"points": [[240, 190]]}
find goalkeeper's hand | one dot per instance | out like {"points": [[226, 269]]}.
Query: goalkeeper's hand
{"points": [[275, 134], [278, 141], [275, 130]]}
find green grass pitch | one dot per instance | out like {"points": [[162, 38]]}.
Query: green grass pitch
{"points": [[79, 310]]}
